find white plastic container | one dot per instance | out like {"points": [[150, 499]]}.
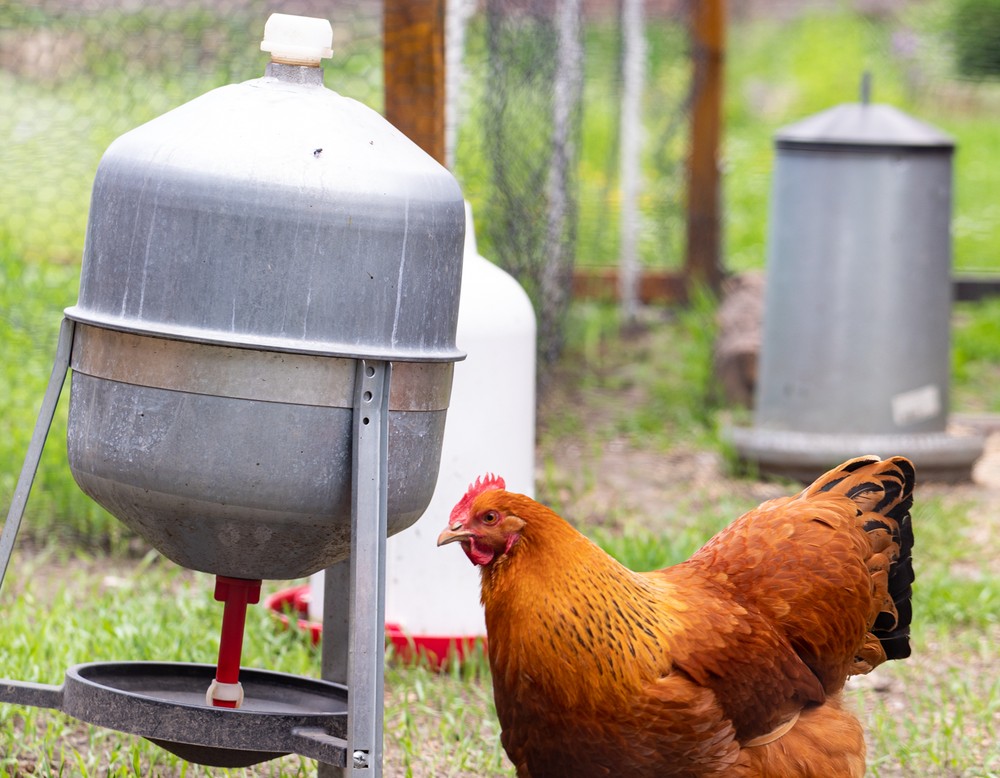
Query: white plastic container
{"points": [[432, 595]]}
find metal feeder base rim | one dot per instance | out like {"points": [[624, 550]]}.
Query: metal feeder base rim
{"points": [[791, 450]]}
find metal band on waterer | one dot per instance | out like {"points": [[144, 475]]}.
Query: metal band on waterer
{"points": [[248, 374]]}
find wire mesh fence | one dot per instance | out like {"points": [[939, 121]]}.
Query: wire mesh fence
{"points": [[538, 133], [74, 75]]}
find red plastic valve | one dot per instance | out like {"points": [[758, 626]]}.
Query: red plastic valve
{"points": [[236, 593]]}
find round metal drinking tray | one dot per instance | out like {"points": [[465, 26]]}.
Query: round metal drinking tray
{"points": [[165, 703]]}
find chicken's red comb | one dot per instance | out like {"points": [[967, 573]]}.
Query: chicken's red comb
{"points": [[482, 484]]}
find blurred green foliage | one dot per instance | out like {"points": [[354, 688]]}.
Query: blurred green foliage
{"points": [[976, 35]]}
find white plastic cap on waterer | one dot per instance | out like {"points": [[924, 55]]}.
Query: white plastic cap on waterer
{"points": [[297, 40]]}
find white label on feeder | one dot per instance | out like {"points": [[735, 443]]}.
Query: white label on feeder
{"points": [[916, 405]]}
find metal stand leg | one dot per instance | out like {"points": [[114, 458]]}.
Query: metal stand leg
{"points": [[45, 415], [366, 618], [336, 635]]}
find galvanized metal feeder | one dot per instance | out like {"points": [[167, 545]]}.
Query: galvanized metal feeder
{"points": [[262, 356], [855, 346]]}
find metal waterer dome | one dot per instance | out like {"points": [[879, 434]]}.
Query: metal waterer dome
{"points": [[262, 357], [855, 345]]}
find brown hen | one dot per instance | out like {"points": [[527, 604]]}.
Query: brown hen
{"points": [[729, 664]]}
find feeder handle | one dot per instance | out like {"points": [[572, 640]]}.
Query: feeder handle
{"points": [[32, 695], [316, 743]]}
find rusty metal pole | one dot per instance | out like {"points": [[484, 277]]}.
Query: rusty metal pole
{"points": [[413, 66], [703, 262]]}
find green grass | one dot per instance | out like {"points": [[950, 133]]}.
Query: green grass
{"points": [[940, 720], [32, 298], [659, 375], [975, 357]]}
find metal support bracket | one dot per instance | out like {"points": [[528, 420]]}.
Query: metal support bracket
{"points": [[360, 604], [46, 413]]}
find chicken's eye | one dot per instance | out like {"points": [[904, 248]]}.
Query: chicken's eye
{"points": [[491, 517]]}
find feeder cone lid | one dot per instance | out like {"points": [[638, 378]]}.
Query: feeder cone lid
{"points": [[862, 127]]}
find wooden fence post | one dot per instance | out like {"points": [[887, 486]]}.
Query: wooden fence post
{"points": [[703, 262], [413, 67]]}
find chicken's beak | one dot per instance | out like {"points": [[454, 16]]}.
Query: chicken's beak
{"points": [[453, 533]]}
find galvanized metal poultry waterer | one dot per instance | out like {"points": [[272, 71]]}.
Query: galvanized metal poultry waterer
{"points": [[242, 252], [262, 357], [855, 347]]}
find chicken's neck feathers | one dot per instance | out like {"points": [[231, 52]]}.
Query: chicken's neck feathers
{"points": [[558, 607]]}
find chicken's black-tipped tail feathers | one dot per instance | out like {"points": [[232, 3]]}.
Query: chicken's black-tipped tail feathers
{"points": [[883, 491], [894, 635]]}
